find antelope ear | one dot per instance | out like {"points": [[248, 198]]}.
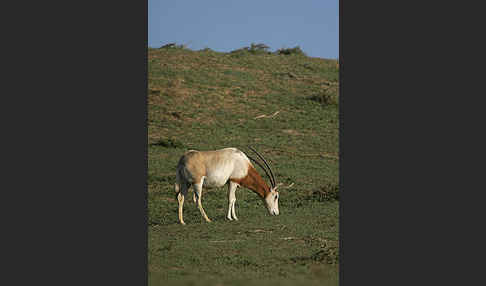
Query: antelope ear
{"points": [[274, 189]]}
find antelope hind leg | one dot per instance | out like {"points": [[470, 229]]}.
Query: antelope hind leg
{"points": [[198, 189]]}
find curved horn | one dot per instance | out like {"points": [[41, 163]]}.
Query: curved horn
{"points": [[266, 164], [261, 166]]}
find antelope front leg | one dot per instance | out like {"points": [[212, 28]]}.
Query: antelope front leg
{"points": [[231, 201]]}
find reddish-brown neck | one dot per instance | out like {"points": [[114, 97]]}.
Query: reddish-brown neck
{"points": [[254, 182]]}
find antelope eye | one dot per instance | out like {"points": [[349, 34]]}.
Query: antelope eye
{"points": [[276, 197]]}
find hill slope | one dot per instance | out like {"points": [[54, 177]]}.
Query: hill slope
{"points": [[208, 100]]}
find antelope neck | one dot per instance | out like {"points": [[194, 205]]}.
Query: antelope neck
{"points": [[254, 182]]}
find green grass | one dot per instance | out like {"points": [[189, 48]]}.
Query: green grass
{"points": [[207, 100]]}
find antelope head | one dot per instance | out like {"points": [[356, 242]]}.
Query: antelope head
{"points": [[271, 197]]}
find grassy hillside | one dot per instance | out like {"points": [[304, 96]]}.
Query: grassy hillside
{"points": [[207, 100]]}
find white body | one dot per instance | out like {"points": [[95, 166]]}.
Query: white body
{"points": [[216, 168], [229, 163]]}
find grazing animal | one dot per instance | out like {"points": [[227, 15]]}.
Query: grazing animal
{"points": [[198, 169]]}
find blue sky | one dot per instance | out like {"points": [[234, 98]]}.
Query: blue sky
{"points": [[228, 25]]}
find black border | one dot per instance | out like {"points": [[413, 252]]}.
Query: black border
{"points": [[405, 102], [80, 214]]}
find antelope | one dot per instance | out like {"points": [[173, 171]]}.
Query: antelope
{"points": [[198, 169]]}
